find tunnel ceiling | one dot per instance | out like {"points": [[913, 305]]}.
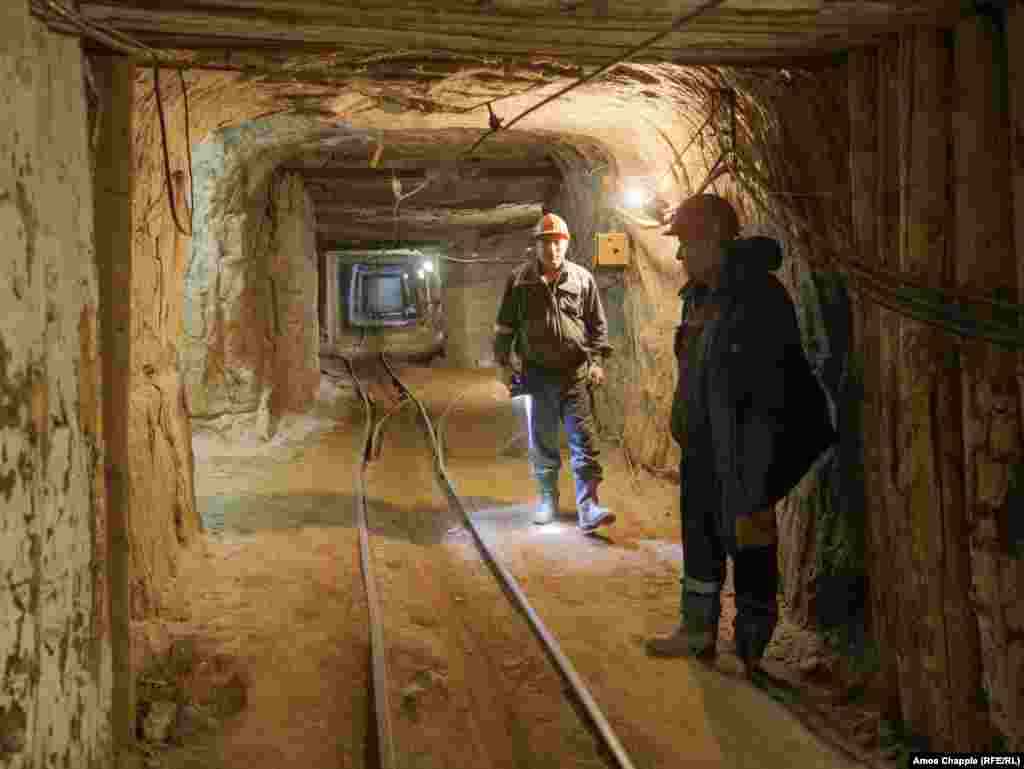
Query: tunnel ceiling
{"points": [[579, 31], [416, 77], [492, 188]]}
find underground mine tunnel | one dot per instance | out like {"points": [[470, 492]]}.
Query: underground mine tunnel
{"points": [[266, 499]]}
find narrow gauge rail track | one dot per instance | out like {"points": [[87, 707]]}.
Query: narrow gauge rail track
{"points": [[575, 688]]}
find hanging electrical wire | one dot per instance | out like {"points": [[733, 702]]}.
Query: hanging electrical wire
{"points": [[479, 260], [188, 149], [396, 189], [167, 157], [51, 11], [676, 25], [108, 36], [684, 150], [947, 309]]}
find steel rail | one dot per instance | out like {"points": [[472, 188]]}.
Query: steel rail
{"points": [[551, 646], [382, 709], [374, 450]]}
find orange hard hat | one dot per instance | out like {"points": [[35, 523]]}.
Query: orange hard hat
{"points": [[551, 225], [704, 217]]}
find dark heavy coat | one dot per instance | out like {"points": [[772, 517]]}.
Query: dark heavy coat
{"points": [[752, 407]]}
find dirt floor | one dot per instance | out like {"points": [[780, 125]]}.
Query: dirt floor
{"points": [[265, 651]]}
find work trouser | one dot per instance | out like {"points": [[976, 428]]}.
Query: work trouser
{"points": [[709, 536], [557, 398]]}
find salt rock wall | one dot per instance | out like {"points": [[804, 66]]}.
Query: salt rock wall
{"points": [[943, 428], [822, 520], [55, 684], [293, 370], [473, 292], [642, 370], [640, 302], [249, 351], [162, 497], [163, 516], [222, 346]]}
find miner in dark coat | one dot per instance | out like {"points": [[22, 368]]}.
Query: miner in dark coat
{"points": [[751, 419]]}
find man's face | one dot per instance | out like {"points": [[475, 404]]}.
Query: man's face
{"points": [[551, 252], [700, 258]]}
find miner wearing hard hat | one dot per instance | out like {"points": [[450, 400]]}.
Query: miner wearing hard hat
{"points": [[551, 316], [751, 419]]}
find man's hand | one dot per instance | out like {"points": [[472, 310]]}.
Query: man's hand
{"points": [[662, 210], [595, 375], [507, 375]]}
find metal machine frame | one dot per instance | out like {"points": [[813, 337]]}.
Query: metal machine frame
{"points": [[357, 315]]}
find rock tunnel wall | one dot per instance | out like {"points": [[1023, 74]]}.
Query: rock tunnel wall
{"points": [[933, 134], [914, 183], [55, 648], [642, 373], [162, 496], [250, 345], [294, 366], [473, 292]]}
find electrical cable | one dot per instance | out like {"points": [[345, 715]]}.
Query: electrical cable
{"points": [[714, 173], [684, 150], [890, 289], [676, 25], [921, 309], [484, 261], [188, 150], [167, 157], [108, 36]]}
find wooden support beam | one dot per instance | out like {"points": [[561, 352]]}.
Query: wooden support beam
{"points": [[929, 480], [409, 173], [332, 234], [815, 58], [887, 243], [115, 78], [865, 172], [773, 34], [512, 217], [415, 169], [986, 264], [639, 18], [1015, 51], [481, 194]]}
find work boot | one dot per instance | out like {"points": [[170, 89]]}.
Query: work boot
{"points": [[683, 643], [697, 633], [591, 515], [548, 507], [753, 633]]}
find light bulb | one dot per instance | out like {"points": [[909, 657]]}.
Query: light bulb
{"points": [[634, 197]]}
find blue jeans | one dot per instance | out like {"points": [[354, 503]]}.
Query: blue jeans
{"points": [[558, 398]]}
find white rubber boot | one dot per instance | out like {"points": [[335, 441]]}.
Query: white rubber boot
{"points": [[591, 515], [548, 507]]}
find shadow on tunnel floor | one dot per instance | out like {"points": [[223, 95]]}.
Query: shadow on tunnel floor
{"points": [[249, 513], [224, 514]]}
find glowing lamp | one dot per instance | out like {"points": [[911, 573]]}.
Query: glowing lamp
{"points": [[634, 197]]}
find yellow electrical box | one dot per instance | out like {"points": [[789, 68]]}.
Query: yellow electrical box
{"points": [[612, 250]]}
